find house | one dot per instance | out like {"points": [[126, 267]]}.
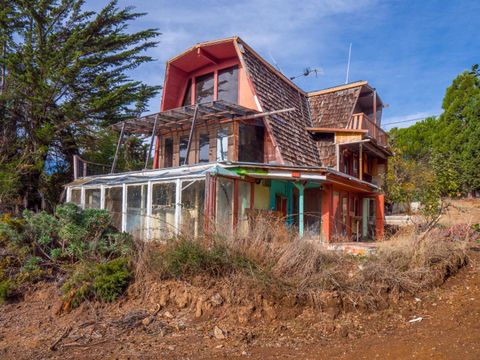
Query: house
{"points": [[236, 138]]}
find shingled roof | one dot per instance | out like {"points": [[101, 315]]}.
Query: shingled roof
{"points": [[274, 91], [333, 108]]}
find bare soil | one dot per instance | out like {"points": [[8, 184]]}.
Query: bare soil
{"points": [[178, 320]]}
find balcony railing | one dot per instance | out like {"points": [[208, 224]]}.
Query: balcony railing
{"points": [[361, 121]]}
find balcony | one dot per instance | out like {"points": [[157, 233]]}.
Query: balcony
{"points": [[361, 121]]}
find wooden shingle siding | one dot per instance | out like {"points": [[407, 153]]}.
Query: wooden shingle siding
{"points": [[334, 109], [295, 144]]}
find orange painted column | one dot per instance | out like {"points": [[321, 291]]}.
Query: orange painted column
{"points": [[327, 212], [380, 216]]}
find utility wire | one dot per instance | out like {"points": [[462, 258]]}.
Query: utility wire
{"points": [[409, 120]]}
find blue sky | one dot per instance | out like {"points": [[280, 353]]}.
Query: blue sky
{"points": [[409, 50]]}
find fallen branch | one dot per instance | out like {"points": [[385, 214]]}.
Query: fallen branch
{"points": [[63, 336]]}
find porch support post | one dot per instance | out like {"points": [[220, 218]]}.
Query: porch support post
{"points": [[360, 162], [301, 191], [119, 144], [380, 216], [148, 223], [124, 207], [190, 137], [327, 212], [82, 198], [178, 205], [102, 197], [154, 130]]}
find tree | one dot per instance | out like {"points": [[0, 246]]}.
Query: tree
{"points": [[66, 79]]}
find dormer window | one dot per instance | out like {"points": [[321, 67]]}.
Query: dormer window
{"points": [[217, 85]]}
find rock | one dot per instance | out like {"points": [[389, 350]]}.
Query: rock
{"points": [[181, 326], [199, 308], [244, 353], [216, 299], [219, 333], [171, 348], [183, 299], [219, 346], [244, 314], [168, 315]]}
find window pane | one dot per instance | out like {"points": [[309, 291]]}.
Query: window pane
{"points": [[168, 153], [224, 206], [92, 198], [113, 203], [204, 148], [193, 200], [76, 196], [222, 144], [228, 84], [187, 99], [204, 88], [137, 210], [244, 198], [163, 210], [251, 143], [182, 151]]}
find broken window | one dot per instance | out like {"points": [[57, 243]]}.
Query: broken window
{"points": [[163, 210], [76, 196], [204, 148], [193, 201], [113, 203], [182, 149], [228, 84], [187, 99], [222, 144], [137, 210], [168, 153], [204, 88], [92, 198], [251, 143], [224, 206]]}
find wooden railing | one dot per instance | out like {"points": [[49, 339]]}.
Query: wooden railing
{"points": [[361, 121]]}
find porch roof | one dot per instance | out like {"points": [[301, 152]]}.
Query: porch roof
{"points": [[177, 118]]}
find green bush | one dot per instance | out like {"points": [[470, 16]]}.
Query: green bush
{"points": [[6, 287]]}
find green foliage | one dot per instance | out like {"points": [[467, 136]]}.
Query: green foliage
{"points": [[66, 81], [104, 282], [6, 288]]}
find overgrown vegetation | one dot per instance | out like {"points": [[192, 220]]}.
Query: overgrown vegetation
{"points": [[81, 244]]}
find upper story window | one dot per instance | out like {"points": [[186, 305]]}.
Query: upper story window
{"points": [[182, 149], [203, 148], [218, 85]]}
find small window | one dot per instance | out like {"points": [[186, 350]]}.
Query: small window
{"points": [[204, 148], [228, 84], [204, 88], [76, 196], [187, 99], [168, 153], [222, 144], [182, 150], [92, 198]]}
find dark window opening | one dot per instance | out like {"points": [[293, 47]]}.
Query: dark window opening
{"points": [[187, 99], [168, 153], [204, 148], [328, 137], [182, 150], [251, 143], [204, 88], [228, 84]]}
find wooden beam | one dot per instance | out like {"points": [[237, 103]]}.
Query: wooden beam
{"points": [[207, 55], [189, 145], [339, 130], [151, 141], [117, 150], [263, 114]]}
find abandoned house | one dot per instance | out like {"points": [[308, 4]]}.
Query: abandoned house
{"points": [[235, 139]]}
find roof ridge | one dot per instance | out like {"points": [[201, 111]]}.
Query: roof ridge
{"points": [[338, 88]]}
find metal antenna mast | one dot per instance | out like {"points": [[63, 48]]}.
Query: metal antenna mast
{"points": [[348, 63]]}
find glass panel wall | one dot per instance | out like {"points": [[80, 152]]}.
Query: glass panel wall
{"points": [[113, 203], [222, 144], [163, 210], [204, 88], [224, 206], [204, 148], [92, 198], [187, 100], [76, 196], [193, 201], [168, 153], [228, 84], [182, 149], [244, 202], [137, 210], [251, 143]]}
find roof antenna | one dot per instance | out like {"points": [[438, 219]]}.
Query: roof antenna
{"points": [[307, 71], [275, 62], [348, 63]]}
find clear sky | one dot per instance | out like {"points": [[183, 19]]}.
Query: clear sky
{"points": [[410, 50]]}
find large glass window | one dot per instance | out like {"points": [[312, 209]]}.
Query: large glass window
{"points": [[224, 206], [244, 201], [187, 99], [113, 203], [76, 196], [193, 200], [204, 88], [204, 148], [92, 198], [163, 210], [182, 149], [251, 143], [168, 153], [228, 84], [137, 210], [222, 144]]}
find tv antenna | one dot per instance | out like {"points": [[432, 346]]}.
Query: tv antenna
{"points": [[348, 63], [308, 71]]}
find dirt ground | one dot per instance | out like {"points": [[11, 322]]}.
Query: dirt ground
{"points": [[446, 326]]}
